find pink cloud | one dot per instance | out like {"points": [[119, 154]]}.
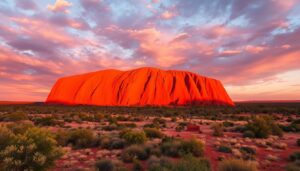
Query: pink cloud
{"points": [[254, 49], [167, 15]]}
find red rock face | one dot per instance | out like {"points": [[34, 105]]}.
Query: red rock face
{"points": [[139, 87]]}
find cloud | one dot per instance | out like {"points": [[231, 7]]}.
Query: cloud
{"points": [[60, 6], [239, 42], [167, 15]]}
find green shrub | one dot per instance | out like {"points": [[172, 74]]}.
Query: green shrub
{"points": [[104, 165], [112, 143], [179, 128], [248, 150], [153, 133], [137, 166], [6, 137], [190, 163], [179, 147], [13, 117], [62, 137], [20, 128], [35, 149], [159, 121], [294, 166], [82, 138], [46, 121], [110, 127], [159, 164], [263, 126], [134, 152], [236, 165], [224, 149], [134, 137], [218, 129], [295, 156], [249, 134], [228, 124]]}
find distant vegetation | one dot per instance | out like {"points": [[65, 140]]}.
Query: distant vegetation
{"points": [[212, 112]]}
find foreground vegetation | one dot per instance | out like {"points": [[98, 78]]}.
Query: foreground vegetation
{"points": [[43, 137]]}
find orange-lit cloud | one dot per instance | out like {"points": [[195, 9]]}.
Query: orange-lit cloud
{"points": [[60, 6], [242, 46]]}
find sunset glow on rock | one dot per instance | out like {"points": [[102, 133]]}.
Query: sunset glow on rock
{"points": [[139, 87]]}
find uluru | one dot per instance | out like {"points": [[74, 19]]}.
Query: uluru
{"points": [[139, 87]]}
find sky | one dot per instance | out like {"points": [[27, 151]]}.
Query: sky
{"points": [[251, 46]]}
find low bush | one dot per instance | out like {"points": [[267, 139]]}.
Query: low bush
{"points": [[249, 134], [294, 156], [112, 143], [263, 126], [82, 138], [62, 137], [34, 149], [153, 133], [236, 165], [187, 163], [13, 117], [134, 137], [248, 150], [46, 121], [159, 164], [218, 129], [224, 149], [134, 152], [190, 163], [180, 147], [294, 166], [228, 124], [104, 165], [137, 166]]}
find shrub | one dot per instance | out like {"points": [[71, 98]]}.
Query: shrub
{"points": [[236, 165], [137, 166], [110, 127], [179, 128], [134, 137], [295, 156], [228, 124], [82, 138], [46, 121], [263, 126], [6, 137], [191, 163], [62, 137], [217, 129], [294, 166], [12, 117], [159, 164], [112, 143], [17, 128], [179, 147], [159, 121], [35, 149], [224, 149], [249, 134], [248, 150], [134, 152], [104, 165], [153, 133]]}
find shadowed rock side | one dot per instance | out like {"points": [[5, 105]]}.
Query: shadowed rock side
{"points": [[139, 87]]}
